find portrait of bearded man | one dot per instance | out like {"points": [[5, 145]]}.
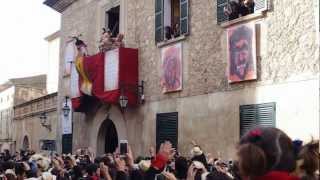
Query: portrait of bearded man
{"points": [[242, 53], [171, 78]]}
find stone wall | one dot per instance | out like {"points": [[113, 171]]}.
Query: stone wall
{"points": [[27, 123], [287, 57]]}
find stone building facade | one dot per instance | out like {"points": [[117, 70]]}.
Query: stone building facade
{"points": [[30, 132], [14, 92], [208, 106]]}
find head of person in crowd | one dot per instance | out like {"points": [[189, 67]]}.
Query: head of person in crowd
{"points": [[216, 175], [20, 170], [198, 155], [181, 167], [10, 174], [69, 162], [308, 161], [93, 170], [264, 150]]}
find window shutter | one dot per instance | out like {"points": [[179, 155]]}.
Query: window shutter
{"points": [[247, 118], [266, 114], [167, 128], [221, 17], [184, 16], [159, 21], [262, 115], [260, 5]]}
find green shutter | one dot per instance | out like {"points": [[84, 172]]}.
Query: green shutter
{"points": [[184, 16], [167, 128], [263, 115], [66, 143], [221, 17], [260, 5], [159, 20]]}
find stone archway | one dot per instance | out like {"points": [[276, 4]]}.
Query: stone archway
{"points": [[107, 137], [97, 132], [25, 143]]}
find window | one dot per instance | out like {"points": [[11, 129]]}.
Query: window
{"points": [[167, 128], [48, 145], [263, 115], [232, 9], [171, 19], [113, 20]]}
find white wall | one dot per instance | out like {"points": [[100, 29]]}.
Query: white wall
{"points": [[213, 120], [6, 103], [6, 112], [53, 65]]}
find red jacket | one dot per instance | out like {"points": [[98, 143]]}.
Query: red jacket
{"points": [[277, 175], [159, 162]]}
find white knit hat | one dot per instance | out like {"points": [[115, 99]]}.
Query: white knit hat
{"points": [[10, 171], [196, 151]]}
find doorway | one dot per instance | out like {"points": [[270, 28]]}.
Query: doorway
{"points": [[107, 137], [25, 144]]}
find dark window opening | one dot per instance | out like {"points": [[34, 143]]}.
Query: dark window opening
{"points": [[113, 20], [171, 19], [228, 10], [66, 143], [111, 138], [262, 115], [167, 128], [48, 145]]}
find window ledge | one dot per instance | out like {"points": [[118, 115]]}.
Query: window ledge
{"points": [[243, 19], [171, 41]]}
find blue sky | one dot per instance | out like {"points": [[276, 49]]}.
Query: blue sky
{"points": [[24, 25]]}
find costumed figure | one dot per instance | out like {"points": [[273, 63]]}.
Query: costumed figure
{"points": [[107, 43], [86, 85]]}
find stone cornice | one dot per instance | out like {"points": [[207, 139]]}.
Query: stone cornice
{"points": [[35, 107]]}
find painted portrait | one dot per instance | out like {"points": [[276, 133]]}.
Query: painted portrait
{"points": [[241, 53], [171, 66]]}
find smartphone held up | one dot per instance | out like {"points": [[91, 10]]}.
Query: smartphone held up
{"points": [[123, 147]]}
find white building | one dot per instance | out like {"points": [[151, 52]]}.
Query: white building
{"points": [[53, 61]]}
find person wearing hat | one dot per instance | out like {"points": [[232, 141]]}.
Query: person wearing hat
{"points": [[198, 155]]}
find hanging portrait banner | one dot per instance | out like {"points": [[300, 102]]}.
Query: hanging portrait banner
{"points": [[171, 68], [241, 51]]}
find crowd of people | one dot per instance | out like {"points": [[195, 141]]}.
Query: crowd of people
{"points": [[262, 154]]}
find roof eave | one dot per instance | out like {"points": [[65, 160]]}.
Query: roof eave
{"points": [[59, 5]]}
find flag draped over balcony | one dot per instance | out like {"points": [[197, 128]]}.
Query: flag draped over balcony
{"points": [[105, 76], [85, 85]]}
